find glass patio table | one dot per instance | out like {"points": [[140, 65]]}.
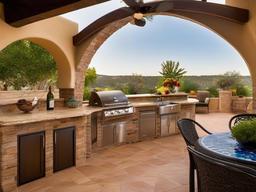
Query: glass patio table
{"points": [[224, 146]]}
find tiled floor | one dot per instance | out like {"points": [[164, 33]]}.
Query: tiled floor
{"points": [[160, 165]]}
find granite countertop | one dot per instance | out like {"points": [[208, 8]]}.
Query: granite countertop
{"points": [[182, 102], [17, 118], [7, 119], [156, 95]]}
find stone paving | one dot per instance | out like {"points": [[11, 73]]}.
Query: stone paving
{"points": [[159, 165]]}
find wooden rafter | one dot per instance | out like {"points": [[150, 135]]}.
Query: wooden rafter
{"points": [[22, 12]]}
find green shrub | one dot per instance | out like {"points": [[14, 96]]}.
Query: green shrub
{"points": [[214, 92], [187, 86], [87, 93], [245, 131], [242, 90]]}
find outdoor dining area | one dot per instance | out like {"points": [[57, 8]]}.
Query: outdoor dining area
{"points": [[221, 162]]}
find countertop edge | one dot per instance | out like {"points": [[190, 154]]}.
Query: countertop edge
{"points": [[85, 110]]}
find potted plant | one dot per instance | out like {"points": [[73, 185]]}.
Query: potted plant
{"points": [[245, 133]]}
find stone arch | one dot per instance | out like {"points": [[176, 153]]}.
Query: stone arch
{"points": [[63, 66], [237, 35]]}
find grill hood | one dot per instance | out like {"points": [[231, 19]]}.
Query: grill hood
{"points": [[108, 98]]}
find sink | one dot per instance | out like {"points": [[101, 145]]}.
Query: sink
{"points": [[169, 108], [163, 103]]}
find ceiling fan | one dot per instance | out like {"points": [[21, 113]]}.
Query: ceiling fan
{"points": [[140, 9]]}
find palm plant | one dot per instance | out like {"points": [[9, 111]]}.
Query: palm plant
{"points": [[172, 69]]}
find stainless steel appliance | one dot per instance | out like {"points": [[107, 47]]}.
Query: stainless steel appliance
{"points": [[168, 118], [114, 133], [147, 124], [115, 115]]}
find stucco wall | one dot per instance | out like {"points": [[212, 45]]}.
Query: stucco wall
{"points": [[249, 35], [55, 35]]}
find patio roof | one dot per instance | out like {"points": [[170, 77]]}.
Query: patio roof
{"points": [[21, 12]]}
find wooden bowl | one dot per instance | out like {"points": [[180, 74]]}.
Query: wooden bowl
{"points": [[25, 106]]}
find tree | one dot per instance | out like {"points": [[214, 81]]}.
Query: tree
{"points": [[136, 84], [25, 64], [90, 77], [229, 80], [171, 69]]}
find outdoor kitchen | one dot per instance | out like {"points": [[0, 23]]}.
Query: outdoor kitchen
{"points": [[32, 144]]}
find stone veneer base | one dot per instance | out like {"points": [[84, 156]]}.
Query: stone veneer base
{"points": [[8, 142]]}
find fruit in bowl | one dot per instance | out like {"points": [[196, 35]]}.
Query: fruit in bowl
{"points": [[27, 106], [245, 133]]}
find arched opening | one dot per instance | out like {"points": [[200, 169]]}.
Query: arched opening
{"points": [[25, 65], [143, 52], [88, 48], [45, 64], [32, 65]]}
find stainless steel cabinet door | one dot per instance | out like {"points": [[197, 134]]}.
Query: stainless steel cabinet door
{"points": [[165, 121], [172, 124], [120, 133], [147, 124], [168, 124], [108, 134]]}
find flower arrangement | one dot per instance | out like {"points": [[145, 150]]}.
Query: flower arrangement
{"points": [[169, 85]]}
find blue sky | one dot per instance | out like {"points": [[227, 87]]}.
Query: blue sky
{"points": [[139, 50]]}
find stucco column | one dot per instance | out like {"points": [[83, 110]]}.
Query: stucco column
{"points": [[254, 97]]}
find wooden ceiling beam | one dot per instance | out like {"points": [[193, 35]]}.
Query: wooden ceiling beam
{"points": [[22, 12], [101, 23]]}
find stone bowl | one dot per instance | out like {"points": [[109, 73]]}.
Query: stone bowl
{"points": [[25, 106]]}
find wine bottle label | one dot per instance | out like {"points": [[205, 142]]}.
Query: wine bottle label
{"points": [[51, 104]]}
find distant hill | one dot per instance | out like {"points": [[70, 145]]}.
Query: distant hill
{"points": [[150, 82]]}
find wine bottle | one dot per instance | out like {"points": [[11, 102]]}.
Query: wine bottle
{"points": [[50, 99]]}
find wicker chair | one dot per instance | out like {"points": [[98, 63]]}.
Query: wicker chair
{"points": [[188, 129], [240, 117], [203, 105], [216, 175]]}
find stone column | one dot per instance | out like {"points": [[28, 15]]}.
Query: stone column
{"points": [[225, 101]]}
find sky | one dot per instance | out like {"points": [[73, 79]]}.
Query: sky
{"points": [[139, 50]]}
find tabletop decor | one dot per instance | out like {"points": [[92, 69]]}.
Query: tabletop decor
{"points": [[171, 73], [27, 106], [245, 133], [72, 102], [169, 85]]}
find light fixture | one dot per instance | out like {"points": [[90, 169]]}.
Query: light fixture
{"points": [[138, 16]]}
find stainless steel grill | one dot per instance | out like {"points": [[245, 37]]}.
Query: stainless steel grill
{"points": [[115, 116], [116, 103]]}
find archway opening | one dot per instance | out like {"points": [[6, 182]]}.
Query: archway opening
{"points": [[201, 59], [26, 70]]}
